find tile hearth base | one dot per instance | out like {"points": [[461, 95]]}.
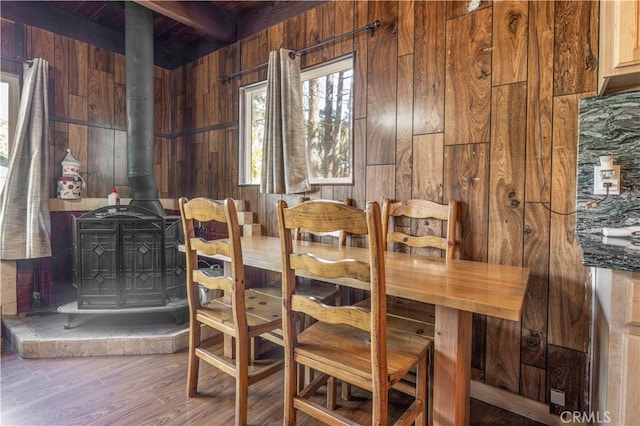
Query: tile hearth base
{"points": [[44, 335], [177, 308]]}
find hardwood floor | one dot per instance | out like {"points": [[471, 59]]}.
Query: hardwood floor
{"points": [[150, 390]]}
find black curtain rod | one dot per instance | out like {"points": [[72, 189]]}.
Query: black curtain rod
{"points": [[16, 61], [371, 27]]}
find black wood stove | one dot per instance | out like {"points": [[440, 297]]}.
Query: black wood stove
{"points": [[127, 257]]}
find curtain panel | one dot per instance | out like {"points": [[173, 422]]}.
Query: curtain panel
{"points": [[285, 165], [25, 223]]}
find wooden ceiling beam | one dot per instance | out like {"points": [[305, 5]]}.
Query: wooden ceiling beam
{"points": [[203, 16], [272, 13], [69, 25]]}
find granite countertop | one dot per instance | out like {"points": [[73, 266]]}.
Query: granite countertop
{"points": [[608, 125], [609, 256]]}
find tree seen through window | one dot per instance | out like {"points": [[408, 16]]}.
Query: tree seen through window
{"points": [[327, 108]]}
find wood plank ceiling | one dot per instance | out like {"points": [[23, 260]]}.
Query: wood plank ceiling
{"points": [[183, 30]]}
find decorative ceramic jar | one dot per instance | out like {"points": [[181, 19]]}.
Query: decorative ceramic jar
{"points": [[69, 187], [70, 184]]}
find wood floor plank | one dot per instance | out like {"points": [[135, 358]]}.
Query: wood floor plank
{"points": [[151, 390]]}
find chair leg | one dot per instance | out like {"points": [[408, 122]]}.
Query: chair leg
{"points": [[292, 383], [309, 375], [380, 405], [299, 371], [242, 395], [346, 299], [255, 348], [429, 403], [242, 385], [422, 391], [229, 346], [346, 391], [332, 387], [194, 362]]}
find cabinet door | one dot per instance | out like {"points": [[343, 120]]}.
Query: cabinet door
{"points": [[619, 325], [632, 316], [619, 45], [627, 51], [630, 410]]}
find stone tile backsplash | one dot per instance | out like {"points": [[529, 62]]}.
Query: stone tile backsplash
{"points": [[609, 125]]}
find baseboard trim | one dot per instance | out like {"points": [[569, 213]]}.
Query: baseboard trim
{"points": [[514, 403]]}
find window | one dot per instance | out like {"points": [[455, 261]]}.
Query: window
{"points": [[9, 103], [327, 102]]}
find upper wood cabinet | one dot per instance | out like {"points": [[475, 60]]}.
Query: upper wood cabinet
{"points": [[619, 46]]}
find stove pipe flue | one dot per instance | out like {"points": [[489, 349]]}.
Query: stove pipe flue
{"points": [[139, 76]]}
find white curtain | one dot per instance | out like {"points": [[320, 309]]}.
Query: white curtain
{"points": [[25, 224], [284, 157]]}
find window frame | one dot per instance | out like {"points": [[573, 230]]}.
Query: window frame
{"points": [[244, 160], [13, 82], [245, 93]]}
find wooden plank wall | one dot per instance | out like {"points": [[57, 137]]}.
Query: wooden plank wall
{"points": [[485, 107], [476, 106], [88, 108]]}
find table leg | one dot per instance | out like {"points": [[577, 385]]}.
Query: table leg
{"points": [[452, 366]]}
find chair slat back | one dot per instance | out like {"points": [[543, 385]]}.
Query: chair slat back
{"points": [[211, 248], [422, 209], [331, 269], [200, 210], [340, 234], [217, 283], [354, 316], [317, 216], [324, 261]]}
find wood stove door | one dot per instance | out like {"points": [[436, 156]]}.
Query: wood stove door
{"points": [[96, 263], [143, 263]]}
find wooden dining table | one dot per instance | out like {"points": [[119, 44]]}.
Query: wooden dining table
{"points": [[457, 288]]}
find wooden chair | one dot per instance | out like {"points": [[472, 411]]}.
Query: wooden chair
{"points": [[322, 291], [240, 313], [343, 296], [349, 343], [420, 210], [420, 314], [416, 317]]}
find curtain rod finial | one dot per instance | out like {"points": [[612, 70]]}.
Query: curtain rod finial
{"points": [[373, 26]]}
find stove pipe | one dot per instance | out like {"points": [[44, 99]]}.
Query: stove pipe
{"points": [[139, 75]]}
